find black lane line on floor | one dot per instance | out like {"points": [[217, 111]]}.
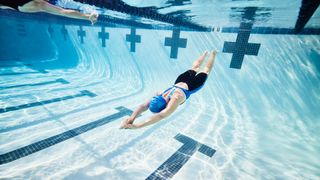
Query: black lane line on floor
{"points": [[175, 162], [60, 80], [46, 143], [29, 105]]}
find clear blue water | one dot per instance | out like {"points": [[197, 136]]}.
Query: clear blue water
{"points": [[60, 95]]}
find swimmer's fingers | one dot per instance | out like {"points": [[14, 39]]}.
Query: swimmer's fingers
{"points": [[128, 126], [93, 17], [129, 120], [124, 124]]}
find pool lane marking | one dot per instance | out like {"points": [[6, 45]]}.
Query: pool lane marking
{"points": [[103, 35], [17, 64], [175, 42], [29, 105], [242, 47], [45, 143], [175, 162], [133, 38], [22, 73], [60, 80]]}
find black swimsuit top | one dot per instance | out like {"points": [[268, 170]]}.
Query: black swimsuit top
{"points": [[14, 3]]}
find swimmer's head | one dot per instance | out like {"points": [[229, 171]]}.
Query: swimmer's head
{"points": [[157, 104]]}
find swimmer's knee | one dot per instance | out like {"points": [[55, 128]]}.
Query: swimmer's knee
{"points": [[206, 71], [196, 69]]}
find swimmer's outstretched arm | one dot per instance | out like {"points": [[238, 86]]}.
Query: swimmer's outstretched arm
{"points": [[48, 8], [171, 107], [143, 107], [44, 6], [5, 7], [153, 119]]}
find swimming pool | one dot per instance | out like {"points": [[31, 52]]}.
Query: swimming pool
{"points": [[65, 87]]}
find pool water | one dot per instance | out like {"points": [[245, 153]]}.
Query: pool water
{"points": [[65, 87]]}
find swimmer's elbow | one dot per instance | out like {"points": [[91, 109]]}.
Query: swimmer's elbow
{"points": [[165, 113], [144, 106], [162, 115]]}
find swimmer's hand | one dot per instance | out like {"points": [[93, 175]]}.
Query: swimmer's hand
{"points": [[6, 7], [129, 120], [125, 123], [128, 126], [93, 17]]}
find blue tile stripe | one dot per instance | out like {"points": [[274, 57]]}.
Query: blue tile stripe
{"points": [[48, 142], [62, 81], [178, 2], [274, 30], [175, 162], [133, 38], [175, 42], [241, 47], [103, 35], [23, 73], [64, 31], [204, 149], [5, 63], [108, 21], [29, 105], [81, 34], [17, 73]]}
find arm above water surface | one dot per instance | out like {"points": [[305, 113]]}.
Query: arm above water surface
{"points": [[44, 6], [6, 7]]}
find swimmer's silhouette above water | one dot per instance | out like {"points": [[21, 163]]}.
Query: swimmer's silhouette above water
{"points": [[47, 6], [165, 103]]}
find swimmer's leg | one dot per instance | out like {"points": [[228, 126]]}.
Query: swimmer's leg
{"points": [[210, 62], [201, 77], [197, 63]]}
